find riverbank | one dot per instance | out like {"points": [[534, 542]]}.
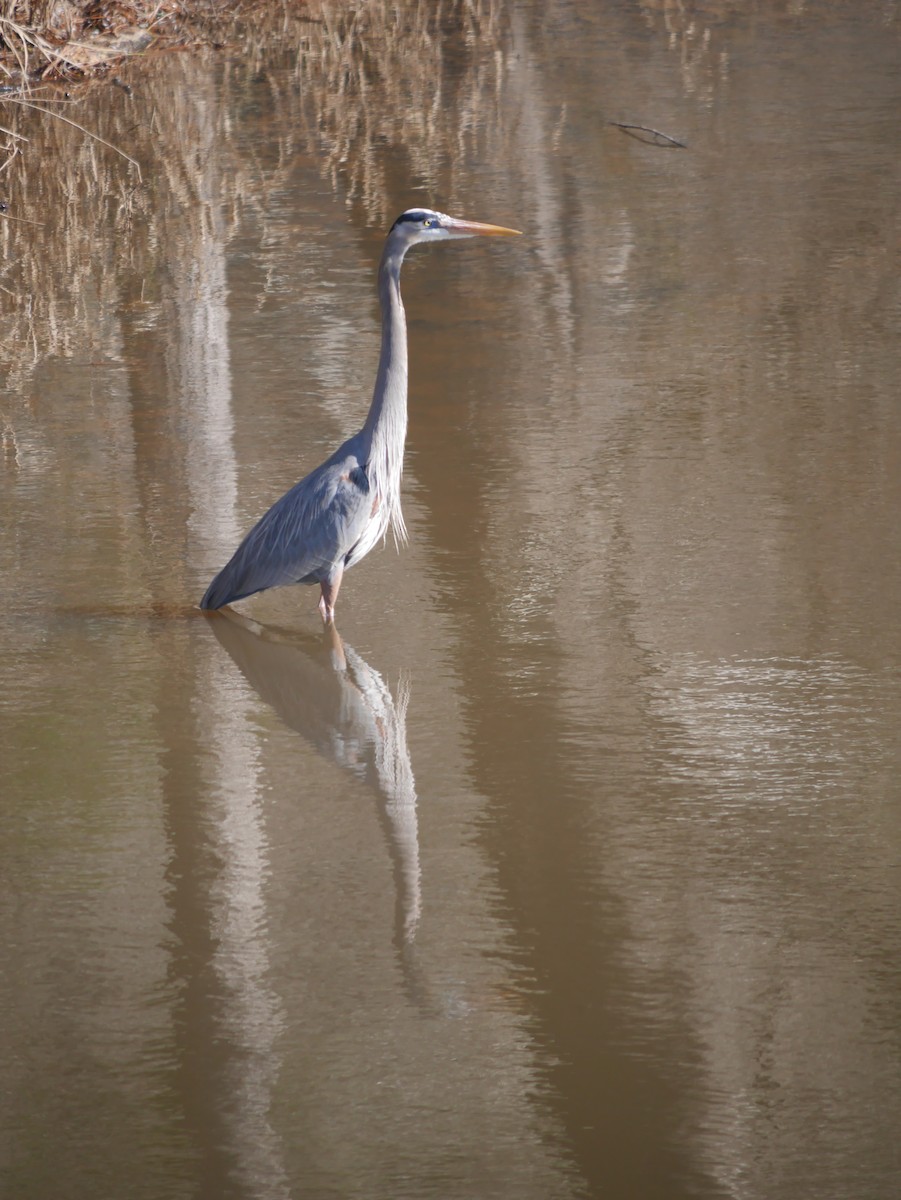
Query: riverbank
{"points": [[72, 40]]}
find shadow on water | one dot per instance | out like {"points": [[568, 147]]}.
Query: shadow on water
{"points": [[325, 691]]}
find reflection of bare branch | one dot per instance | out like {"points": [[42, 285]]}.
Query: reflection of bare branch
{"points": [[388, 79], [51, 112], [694, 31], [11, 152]]}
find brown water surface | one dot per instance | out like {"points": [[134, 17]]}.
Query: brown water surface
{"points": [[572, 866]]}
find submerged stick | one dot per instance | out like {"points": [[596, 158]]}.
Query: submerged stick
{"points": [[5, 216], [96, 136], [656, 139]]}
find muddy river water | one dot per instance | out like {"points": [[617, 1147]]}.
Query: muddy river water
{"points": [[570, 865]]}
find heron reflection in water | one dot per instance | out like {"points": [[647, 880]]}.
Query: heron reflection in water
{"points": [[329, 694], [333, 517]]}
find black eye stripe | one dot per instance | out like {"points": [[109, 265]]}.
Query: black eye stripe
{"points": [[415, 216]]}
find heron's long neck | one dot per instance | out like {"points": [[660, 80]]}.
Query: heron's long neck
{"points": [[386, 424]]}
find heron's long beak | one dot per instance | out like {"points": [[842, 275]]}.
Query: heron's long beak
{"points": [[479, 229]]}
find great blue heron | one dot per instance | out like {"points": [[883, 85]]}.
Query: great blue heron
{"points": [[335, 515]]}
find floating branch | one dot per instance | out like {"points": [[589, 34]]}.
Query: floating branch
{"points": [[655, 138]]}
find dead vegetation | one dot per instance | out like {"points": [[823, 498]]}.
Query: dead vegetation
{"points": [[47, 47], [72, 40], [385, 98]]}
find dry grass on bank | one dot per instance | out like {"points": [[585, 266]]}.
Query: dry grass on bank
{"points": [[388, 98], [48, 40], [51, 42]]}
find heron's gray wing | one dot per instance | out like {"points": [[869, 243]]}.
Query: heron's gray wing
{"points": [[303, 538]]}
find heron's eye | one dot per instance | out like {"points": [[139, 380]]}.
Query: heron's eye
{"points": [[427, 222]]}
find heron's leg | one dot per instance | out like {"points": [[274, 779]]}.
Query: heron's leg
{"points": [[329, 589]]}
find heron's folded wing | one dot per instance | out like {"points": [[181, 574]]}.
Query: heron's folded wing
{"points": [[303, 537]]}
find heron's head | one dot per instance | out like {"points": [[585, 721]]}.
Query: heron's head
{"points": [[425, 225]]}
